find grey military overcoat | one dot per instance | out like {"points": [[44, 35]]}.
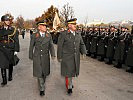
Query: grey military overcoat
{"points": [[69, 49], [40, 50]]}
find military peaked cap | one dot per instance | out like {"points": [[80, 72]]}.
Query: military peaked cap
{"points": [[72, 21]]}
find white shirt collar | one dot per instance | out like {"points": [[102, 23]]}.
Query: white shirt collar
{"points": [[73, 32], [6, 27], [42, 33]]}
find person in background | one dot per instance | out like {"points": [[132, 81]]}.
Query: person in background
{"points": [[23, 33]]}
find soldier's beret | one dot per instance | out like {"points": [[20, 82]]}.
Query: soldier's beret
{"points": [[72, 21]]}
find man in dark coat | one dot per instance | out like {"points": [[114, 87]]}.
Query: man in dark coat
{"points": [[9, 46], [23, 33], [31, 32], [111, 45], [93, 48], [40, 45], [101, 50], [128, 60], [70, 45]]}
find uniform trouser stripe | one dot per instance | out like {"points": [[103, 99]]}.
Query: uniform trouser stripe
{"points": [[68, 82]]}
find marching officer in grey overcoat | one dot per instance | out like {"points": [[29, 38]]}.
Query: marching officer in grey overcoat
{"points": [[9, 46], [70, 45], [41, 46]]}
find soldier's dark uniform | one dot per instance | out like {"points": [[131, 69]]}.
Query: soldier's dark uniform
{"points": [[120, 49], [88, 40], [101, 49], [128, 60], [9, 43], [111, 47], [93, 48]]}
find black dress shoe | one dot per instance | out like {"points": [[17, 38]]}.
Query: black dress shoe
{"points": [[4, 81], [72, 86], [3, 84], [10, 78], [118, 66], [109, 62], [3, 73], [42, 93], [69, 91]]}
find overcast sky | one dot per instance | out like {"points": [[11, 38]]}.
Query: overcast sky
{"points": [[108, 10]]}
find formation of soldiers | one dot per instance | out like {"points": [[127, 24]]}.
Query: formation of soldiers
{"points": [[110, 44]]}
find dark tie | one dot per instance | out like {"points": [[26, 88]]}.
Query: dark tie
{"points": [[43, 35]]}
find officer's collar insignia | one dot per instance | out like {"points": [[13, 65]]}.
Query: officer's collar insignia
{"points": [[46, 35], [37, 35], [69, 31]]}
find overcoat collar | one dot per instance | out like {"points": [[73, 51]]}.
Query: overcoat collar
{"points": [[41, 39]]}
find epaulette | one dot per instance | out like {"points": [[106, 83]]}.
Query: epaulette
{"points": [[37, 35], [47, 34]]}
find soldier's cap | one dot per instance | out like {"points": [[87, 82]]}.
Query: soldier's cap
{"points": [[72, 21], [7, 17], [42, 23], [124, 28]]}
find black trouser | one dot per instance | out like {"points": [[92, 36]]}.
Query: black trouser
{"points": [[4, 75], [23, 36], [10, 71]]}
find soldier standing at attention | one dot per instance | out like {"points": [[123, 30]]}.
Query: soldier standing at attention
{"points": [[40, 45], [70, 45], [9, 46]]}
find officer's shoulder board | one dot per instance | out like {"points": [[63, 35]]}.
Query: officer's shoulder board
{"points": [[47, 34], [36, 35], [63, 33]]}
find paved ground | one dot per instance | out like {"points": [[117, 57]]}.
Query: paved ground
{"points": [[97, 81]]}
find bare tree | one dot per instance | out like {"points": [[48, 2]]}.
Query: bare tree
{"points": [[20, 22], [85, 21], [29, 24], [67, 12]]}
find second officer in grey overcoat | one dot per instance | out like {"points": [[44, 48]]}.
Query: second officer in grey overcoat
{"points": [[70, 45], [41, 46]]}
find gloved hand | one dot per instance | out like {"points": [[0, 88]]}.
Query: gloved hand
{"points": [[53, 57], [59, 60], [15, 53]]}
